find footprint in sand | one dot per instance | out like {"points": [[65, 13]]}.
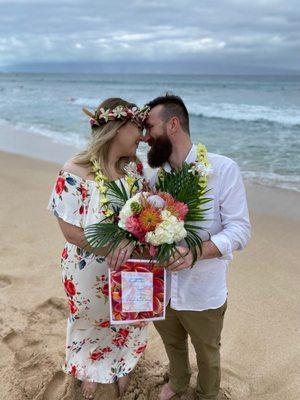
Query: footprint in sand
{"points": [[22, 348], [148, 377], [54, 307], [57, 388], [145, 380], [5, 281]]}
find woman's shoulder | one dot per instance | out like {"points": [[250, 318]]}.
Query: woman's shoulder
{"points": [[72, 167]]}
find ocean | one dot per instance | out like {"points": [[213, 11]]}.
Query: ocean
{"points": [[255, 120]]}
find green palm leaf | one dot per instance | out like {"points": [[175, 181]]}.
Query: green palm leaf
{"points": [[101, 234]]}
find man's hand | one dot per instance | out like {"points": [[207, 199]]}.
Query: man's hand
{"points": [[182, 259], [120, 255]]}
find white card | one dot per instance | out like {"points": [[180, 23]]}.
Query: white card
{"points": [[137, 291]]}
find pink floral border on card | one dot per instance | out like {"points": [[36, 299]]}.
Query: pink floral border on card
{"points": [[115, 293]]}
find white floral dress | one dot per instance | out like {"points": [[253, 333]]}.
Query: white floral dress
{"points": [[95, 350]]}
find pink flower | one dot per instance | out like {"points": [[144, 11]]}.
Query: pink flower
{"points": [[133, 226], [83, 192], [141, 349], [152, 250], [96, 355], [106, 350], [72, 307], [123, 332], [64, 254], [139, 168], [73, 370], [105, 289], [181, 209], [119, 341], [105, 324]]}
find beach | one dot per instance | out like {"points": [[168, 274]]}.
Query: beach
{"points": [[259, 340]]}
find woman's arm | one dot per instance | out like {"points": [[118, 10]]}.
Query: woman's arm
{"points": [[75, 235]]}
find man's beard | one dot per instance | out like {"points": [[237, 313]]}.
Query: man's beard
{"points": [[160, 152]]}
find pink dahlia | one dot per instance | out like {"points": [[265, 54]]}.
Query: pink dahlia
{"points": [[133, 226]]}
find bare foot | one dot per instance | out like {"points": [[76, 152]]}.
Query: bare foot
{"points": [[166, 393], [122, 384], [88, 389]]}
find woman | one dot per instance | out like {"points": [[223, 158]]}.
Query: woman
{"points": [[95, 351]]}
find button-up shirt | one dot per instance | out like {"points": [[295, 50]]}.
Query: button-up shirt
{"points": [[204, 286]]}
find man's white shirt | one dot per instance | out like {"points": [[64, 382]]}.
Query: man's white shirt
{"points": [[204, 286]]}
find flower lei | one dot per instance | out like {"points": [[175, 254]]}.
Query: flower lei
{"points": [[133, 175], [201, 167], [101, 116]]}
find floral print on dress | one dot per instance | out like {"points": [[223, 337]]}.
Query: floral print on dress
{"points": [[95, 350]]}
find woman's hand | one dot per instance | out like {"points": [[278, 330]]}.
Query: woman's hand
{"points": [[120, 255]]}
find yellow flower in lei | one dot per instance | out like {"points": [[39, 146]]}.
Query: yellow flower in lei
{"points": [[202, 166], [131, 179], [203, 159], [100, 180], [133, 174]]}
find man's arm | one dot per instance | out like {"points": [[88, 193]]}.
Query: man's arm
{"points": [[234, 215]]}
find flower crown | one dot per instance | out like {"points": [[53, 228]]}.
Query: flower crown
{"points": [[101, 116]]}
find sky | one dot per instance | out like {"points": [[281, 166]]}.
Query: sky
{"points": [[155, 36]]}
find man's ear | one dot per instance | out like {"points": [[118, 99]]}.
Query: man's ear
{"points": [[174, 125]]}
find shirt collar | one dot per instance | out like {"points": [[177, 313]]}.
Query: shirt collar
{"points": [[190, 158]]}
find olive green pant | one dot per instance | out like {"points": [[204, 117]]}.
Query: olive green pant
{"points": [[204, 329]]}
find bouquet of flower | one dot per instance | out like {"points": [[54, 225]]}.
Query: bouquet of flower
{"points": [[156, 220]]}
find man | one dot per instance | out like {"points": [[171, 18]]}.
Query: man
{"points": [[197, 296]]}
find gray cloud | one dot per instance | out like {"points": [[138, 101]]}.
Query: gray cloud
{"points": [[261, 35]]}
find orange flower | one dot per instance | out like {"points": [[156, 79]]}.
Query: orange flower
{"points": [[178, 209], [149, 218]]}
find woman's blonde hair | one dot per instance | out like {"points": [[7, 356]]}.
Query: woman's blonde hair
{"points": [[102, 137]]}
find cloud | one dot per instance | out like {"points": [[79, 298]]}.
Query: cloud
{"points": [[258, 32]]}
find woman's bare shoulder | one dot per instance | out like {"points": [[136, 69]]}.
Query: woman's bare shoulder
{"points": [[72, 167]]}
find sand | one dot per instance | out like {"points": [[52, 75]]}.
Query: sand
{"points": [[259, 343]]}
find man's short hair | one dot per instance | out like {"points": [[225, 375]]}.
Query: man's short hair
{"points": [[173, 106]]}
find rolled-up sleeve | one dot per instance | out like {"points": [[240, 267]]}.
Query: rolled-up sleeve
{"points": [[234, 214]]}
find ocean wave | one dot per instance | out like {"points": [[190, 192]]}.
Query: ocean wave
{"points": [[289, 182], [68, 138], [246, 112], [65, 138], [228, 111]]}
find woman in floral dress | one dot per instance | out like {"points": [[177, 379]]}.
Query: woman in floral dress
{"points": [[96, 352]]}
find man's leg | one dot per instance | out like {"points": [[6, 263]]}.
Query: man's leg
{"points": [[204, 328], [174, 338]]}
